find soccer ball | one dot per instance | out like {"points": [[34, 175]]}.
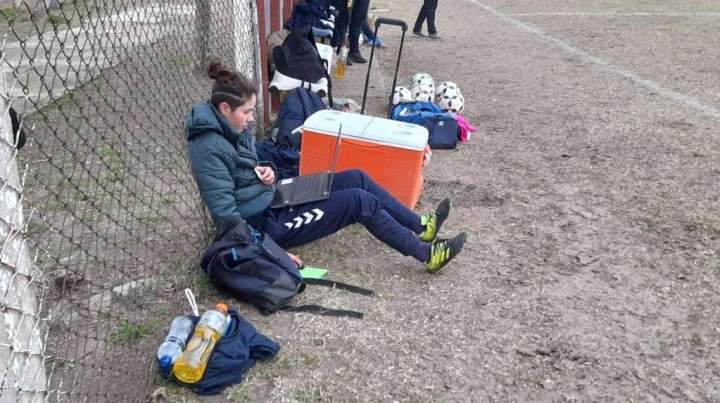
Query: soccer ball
{"points": [[423, 79], [446, 86], [402, 95], [452, 102], [422, 93]]}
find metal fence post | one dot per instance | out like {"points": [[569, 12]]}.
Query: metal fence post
{"points": [[22, 370], [259, 61], [203, 20]]}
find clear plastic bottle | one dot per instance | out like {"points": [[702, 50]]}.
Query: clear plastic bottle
{"points": [[341, 63], [191, 364], [174, 343]]}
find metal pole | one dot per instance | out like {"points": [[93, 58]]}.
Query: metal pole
{"points": [[203, 19]]}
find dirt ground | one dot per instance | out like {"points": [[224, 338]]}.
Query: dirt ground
{"points": [[590, 196]]}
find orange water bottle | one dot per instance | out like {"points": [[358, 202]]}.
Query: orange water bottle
{"points": [[191, 364]]}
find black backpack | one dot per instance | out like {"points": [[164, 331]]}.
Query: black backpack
{"points": [[298, 57], [299, 104], [251, 267]]}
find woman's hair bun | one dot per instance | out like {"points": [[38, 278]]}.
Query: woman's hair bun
{"points": [[216, 70]]}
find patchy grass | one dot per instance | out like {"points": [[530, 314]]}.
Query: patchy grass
{"points": [[75, 197], [311, 361], [111, 177], [115, 166], [240, 394], [66, 101], [166, 201], [36, 227], [177, 265], [109, 154], [151, 219], [132, 298], [128, 333], [64, 183], [53, 205], [15, 15], [318, 393], [57, 19], [177, 61], [168, 391], [9, 12], [178, 235], [274, 368], [199, 283], [113, 159]]}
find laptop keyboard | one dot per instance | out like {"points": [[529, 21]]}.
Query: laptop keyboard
{"points": [[311, 186]]}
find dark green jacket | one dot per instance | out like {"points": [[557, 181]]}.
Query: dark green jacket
{"points": [[224, 161]]}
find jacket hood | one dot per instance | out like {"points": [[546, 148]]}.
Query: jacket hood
{"points": [[205, 118]]}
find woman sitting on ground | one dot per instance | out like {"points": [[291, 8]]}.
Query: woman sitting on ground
{"points": [[233, 183]]}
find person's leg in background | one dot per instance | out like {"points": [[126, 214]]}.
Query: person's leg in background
{"points": [[341, 23], [370, 36], [358, 15], [430, 14], [367, 30], [422, 15]]}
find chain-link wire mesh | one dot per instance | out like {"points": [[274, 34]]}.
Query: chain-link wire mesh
{"points": [[100, 218]]}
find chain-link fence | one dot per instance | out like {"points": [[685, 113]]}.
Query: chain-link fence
{"points": [[100, 218]]}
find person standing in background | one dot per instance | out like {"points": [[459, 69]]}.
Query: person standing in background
{"points": [[358, 15], [341, 24], [427, 12], [352, 14]]}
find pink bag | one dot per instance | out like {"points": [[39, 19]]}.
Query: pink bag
{"points": [[466, 129]]}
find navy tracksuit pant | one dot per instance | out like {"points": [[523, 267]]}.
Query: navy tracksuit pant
{"points": [[352, 19], [427, 11], [354, 198]]}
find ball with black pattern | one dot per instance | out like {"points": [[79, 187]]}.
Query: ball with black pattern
{"points": [[451, 102], [445, 86]]}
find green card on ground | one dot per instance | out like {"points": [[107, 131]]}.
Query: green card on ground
{"points": [[313, 272]]}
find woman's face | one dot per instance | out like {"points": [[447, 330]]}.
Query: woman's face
{"points": [[242, 116]]}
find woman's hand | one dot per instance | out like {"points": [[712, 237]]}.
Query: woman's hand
{"points": [[266, 175], [296, 259], [426, 156]]}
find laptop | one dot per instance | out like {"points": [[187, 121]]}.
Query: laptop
{"points": [[306, 188]]}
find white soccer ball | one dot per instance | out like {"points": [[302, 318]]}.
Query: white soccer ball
{"points": [[451, 102], [446, 86], [422, 93], [423, 79], [402, 95]]}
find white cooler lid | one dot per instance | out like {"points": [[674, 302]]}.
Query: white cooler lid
{"points": [[395, 133], [328, 122], [325, 52]]}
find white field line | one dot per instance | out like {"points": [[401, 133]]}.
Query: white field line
{"points": [[638, 14], [651, 85]]}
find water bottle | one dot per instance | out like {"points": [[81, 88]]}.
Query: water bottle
{"points": [[191, 364], [174, 343], [341, 63]]}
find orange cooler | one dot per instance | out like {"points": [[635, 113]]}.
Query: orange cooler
{"points": [[389, 151]]}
